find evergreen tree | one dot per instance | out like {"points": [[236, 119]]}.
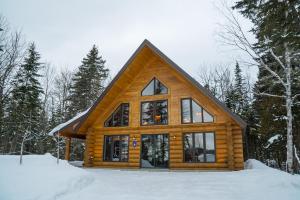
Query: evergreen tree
{"points": [[276, 27], [25, 108], [238, 100], [236, 97], [88, 82], [87, 85]]}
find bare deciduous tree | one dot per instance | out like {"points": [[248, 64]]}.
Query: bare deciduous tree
{"points": [[11, 55], [233, 34], [218, 80]]}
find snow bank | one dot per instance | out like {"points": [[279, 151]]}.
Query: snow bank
{"points": [[39, 177], [60, 126], [255, 164]]}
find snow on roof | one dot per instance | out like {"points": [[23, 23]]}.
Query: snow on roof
{"points": [[61, 126]]}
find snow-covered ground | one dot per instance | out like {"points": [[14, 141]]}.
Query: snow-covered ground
{"points": [[41, 178]]}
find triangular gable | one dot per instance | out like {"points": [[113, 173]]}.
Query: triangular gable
{"points": [[148, 48]]}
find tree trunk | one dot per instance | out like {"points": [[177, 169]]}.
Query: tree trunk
{"points": [[21, 152], [289, 104]]}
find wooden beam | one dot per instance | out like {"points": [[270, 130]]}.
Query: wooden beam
{"points": [[230, 146], [68, 148]]}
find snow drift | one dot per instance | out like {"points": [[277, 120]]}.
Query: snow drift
{"points": [[40, 178]]}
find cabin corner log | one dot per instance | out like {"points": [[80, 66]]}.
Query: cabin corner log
{"points": [[230, 147]]}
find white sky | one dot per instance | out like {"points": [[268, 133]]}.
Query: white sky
{"points": [[64, 31]]}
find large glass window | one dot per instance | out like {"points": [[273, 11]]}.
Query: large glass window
{"points": [[116, 148], [154, 87], [199, 147], [154, 112], [191, 112], [120, 116]]}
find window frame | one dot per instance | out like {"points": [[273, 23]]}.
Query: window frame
{"points": [[191, 112], [153, 114], [111, 116], [204, 145], [169, 146], [154, 88], [104, 148]]}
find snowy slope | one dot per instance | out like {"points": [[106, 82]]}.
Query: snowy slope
{"points": [[40, 178]]}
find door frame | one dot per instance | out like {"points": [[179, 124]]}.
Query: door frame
{"points": [[168, 165]]}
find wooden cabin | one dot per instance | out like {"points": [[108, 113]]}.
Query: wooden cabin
{"points": [[155, 115]]}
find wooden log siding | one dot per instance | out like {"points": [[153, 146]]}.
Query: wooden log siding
{"points": [[95, 143], [127, 89]]}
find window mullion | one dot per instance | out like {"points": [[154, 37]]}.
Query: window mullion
{"points": [[202, 114], [204, 146], [120, 148], [193, 138], [191, 111], [122, 108], [154, 112]]}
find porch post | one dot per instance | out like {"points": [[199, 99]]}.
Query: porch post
{"points": [[68, 147]]}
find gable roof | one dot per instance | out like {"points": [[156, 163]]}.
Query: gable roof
{"points": [[148, 44]]}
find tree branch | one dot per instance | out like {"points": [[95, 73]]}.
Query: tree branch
{"points": [[296, 155], [277, 58], [295, 97], [269, 95]]}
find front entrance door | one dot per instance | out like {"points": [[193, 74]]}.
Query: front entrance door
{"points": [[155, 151]]}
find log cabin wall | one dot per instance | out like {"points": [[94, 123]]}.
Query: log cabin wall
{"points": [[228, 134]]}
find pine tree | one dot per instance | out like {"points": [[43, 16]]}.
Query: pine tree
{"points": [[25, 108], [88, 82], [237, 97], [276, 27]]}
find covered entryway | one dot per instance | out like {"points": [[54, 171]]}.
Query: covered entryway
{"points": [[155, 151], [75, 146]]}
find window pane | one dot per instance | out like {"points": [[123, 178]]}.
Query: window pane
{"points": [[199, 148], [125, 117], [117, 117], [161, 113], [116, 148], [160, 88], [108, 147], [124, 148], [210, 147], [147, 113], [109, 122], [197, 112], [149, 89], [186, 110], [120, 116], [207, 117], [188, 147]]}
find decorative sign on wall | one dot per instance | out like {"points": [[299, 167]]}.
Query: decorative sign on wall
{"points": [[134, 142]]}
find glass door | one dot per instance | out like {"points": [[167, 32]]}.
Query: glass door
{"points": [[155, 151]]}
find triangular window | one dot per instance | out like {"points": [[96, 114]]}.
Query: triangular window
{"points": [[154, 87], [120, 117], [192, 112]]}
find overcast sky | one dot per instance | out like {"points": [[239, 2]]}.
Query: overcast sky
{"points": [[64, 31]]}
